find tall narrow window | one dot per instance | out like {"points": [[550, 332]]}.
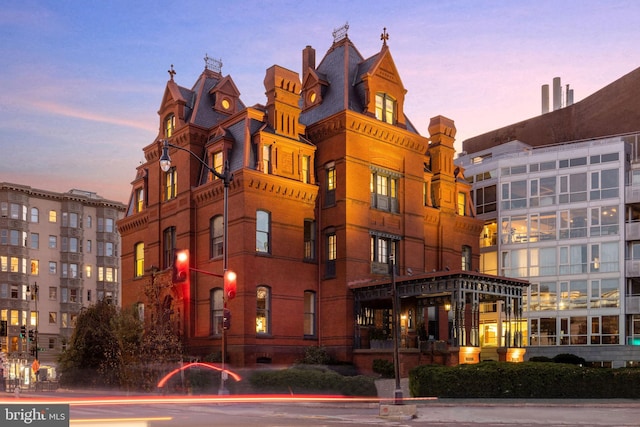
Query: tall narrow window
{"points": [[139, 261], [305, 172], [332, 253], [330, 182], [309, 313], [466, 258], [169, 125], [171, 184], [218, 161], [383, 186], [216, 305], [139, 199], [216, 236], [385, 108], [262, 232], [266, 158], [263, 310], [53, 216], [462, 204], [309, 239], [169, 246], [35, 215]]}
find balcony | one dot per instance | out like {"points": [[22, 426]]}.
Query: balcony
{"points": [[632, 230], [632, 194], [632, 304]]}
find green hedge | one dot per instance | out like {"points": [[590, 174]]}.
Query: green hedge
{"points": [[524, 380], [311, 381]]}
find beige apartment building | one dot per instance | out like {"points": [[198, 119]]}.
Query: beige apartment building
{"points": [[59, 253]]}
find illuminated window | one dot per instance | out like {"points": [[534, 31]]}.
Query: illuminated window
{"points": [[171, 184], [331, 254], [88, 271], [466, 257], [139, 199], [305, 172], [382, 247], [216, 236], [53, 317], [218, 163], [139, 259], [266, 158], [216, 305], [385, 108], [309, 322], [383, 186], [35, 267], [263, 310], [53, 216], [462, 204], [263, 225], [169, 125], [330, 182]]}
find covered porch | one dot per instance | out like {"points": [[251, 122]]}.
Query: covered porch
{"points": [[446, 318]]}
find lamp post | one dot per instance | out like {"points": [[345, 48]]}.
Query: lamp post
{"points": [[397, 394], [33, 290], [226, 176]]}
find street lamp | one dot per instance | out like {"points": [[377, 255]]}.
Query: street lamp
{"points": [[226, 176], [397, 394], [33, 291]]}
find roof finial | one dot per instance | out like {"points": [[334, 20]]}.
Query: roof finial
{"points": [[212, 64], [171, 72], [384, 36], [340, 33]]}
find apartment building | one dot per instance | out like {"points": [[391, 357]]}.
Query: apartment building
{"points": [[59, 253]]}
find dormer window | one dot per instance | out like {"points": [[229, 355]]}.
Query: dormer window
{"points": [[385, 108], [169, 125]]}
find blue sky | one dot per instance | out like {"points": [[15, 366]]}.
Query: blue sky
{"points": [[82, 81]]}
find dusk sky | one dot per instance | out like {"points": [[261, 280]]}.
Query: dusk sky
{"points": [[81, 81]]}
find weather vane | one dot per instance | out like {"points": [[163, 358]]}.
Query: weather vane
{"points": [[171, 72], [384, 36]]}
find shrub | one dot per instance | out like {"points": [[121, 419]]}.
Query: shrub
{"points": [[316, 355], [384, 368], [571, 359], [311, 380]]}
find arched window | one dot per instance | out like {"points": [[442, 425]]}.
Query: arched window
{"points": [[216, 306], [139, 259], [216, 235], [263, 310], [35, 215]]}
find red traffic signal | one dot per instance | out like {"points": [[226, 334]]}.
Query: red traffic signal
{"points": [[230, 286], [226, 318], [181, 266]]}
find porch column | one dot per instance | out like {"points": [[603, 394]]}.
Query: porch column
{"points": [[459, 328], [475, 320]]}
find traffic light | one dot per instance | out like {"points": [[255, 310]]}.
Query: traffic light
{"points": [[30, 334], [3, 328], [230, 286], [226, 318], [23, 331], [181, 266]]}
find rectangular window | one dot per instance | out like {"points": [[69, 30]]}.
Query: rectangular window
{"points": [[53, 293], [305, 170], [53, 318], [385, 108], [263, 302], [462, 204], [216, 236], [216, 305], [263, 225], [309, 322], [139, 260], [171, 184], [35, 241], [53, 216], [309, 239], [169, 246], [384, 190], [139, 199], [266, 158], [331, 254], [53, 242], [53, 267], [218, 163], [330, 195]]}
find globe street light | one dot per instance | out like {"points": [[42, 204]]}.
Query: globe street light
{"points": [[226, 176]]}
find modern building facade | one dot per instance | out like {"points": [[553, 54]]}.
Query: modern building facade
{"points": [[332, 185], [59, 253], [563, 215]]}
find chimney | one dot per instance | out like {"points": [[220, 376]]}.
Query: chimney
{"points": [[545, 99], [557, 94], [308, 59]]}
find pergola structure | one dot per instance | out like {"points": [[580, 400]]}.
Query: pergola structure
{"points": [[459, 292]]}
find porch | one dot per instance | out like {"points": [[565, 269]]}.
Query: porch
{"points": [[439, 317]]}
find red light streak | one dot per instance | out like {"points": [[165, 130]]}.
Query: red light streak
{"points": [[166, 378]]}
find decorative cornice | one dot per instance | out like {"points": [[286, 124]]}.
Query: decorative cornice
{"points": [[283, 189], [132, 223]]}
